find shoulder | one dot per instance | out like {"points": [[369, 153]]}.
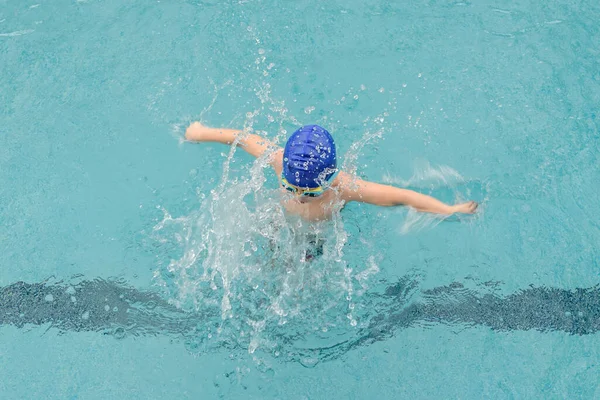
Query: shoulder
{"points": [[352, 188], [342, 180], [346, 185], [276, 160]]}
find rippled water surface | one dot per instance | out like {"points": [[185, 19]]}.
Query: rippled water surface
{"points": [[136, 265]]}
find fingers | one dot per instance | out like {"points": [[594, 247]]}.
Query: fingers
{"points": [[467, 208], [194, 131], [473, 206]]}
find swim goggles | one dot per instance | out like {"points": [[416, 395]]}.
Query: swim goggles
{"points": [[314, 192]]}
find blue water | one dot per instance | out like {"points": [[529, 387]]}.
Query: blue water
{"points": [[127, 267]]}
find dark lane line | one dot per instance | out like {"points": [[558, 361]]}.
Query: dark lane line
{"points": [[112, 307]]}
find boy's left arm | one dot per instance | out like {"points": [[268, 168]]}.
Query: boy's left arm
{"points": [[354, 189]]}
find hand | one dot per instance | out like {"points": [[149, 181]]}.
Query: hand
{"points": [[465, 208], [197, 132]]}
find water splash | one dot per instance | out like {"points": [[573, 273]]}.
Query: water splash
{"points": [[267, 273], [442, 182], [249, 260], [268, 276], [427, 176]]}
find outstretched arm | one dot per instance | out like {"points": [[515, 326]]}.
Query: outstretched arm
{"points": [[253, 144], [385, 195]]}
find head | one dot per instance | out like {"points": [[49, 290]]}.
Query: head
{"points": [[309, 161]]}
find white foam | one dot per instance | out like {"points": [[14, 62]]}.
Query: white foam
{"points": [[17, 33]]}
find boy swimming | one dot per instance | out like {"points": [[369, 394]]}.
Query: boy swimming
{"points": [[307, 169]]}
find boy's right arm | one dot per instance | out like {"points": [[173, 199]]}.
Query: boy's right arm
{"points": [[354, 189], [253, 144]]}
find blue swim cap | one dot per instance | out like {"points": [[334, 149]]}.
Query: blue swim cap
{"points": [[309, 157]]}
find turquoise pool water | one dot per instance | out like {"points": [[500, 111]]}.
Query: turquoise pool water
{"points": [[132, 267]]}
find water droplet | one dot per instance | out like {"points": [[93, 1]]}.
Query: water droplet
{"points": [[49, 297], [85, 315]]}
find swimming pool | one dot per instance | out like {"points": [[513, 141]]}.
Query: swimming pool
{"points": [[117, 257]]}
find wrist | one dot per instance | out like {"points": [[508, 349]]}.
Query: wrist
{"points": [[449, 210]]}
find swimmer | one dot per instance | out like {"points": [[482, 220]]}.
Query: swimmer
{"points": [[307, 169]]}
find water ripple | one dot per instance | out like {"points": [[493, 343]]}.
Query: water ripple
{"points": [[113, 308], [17, 33]]}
